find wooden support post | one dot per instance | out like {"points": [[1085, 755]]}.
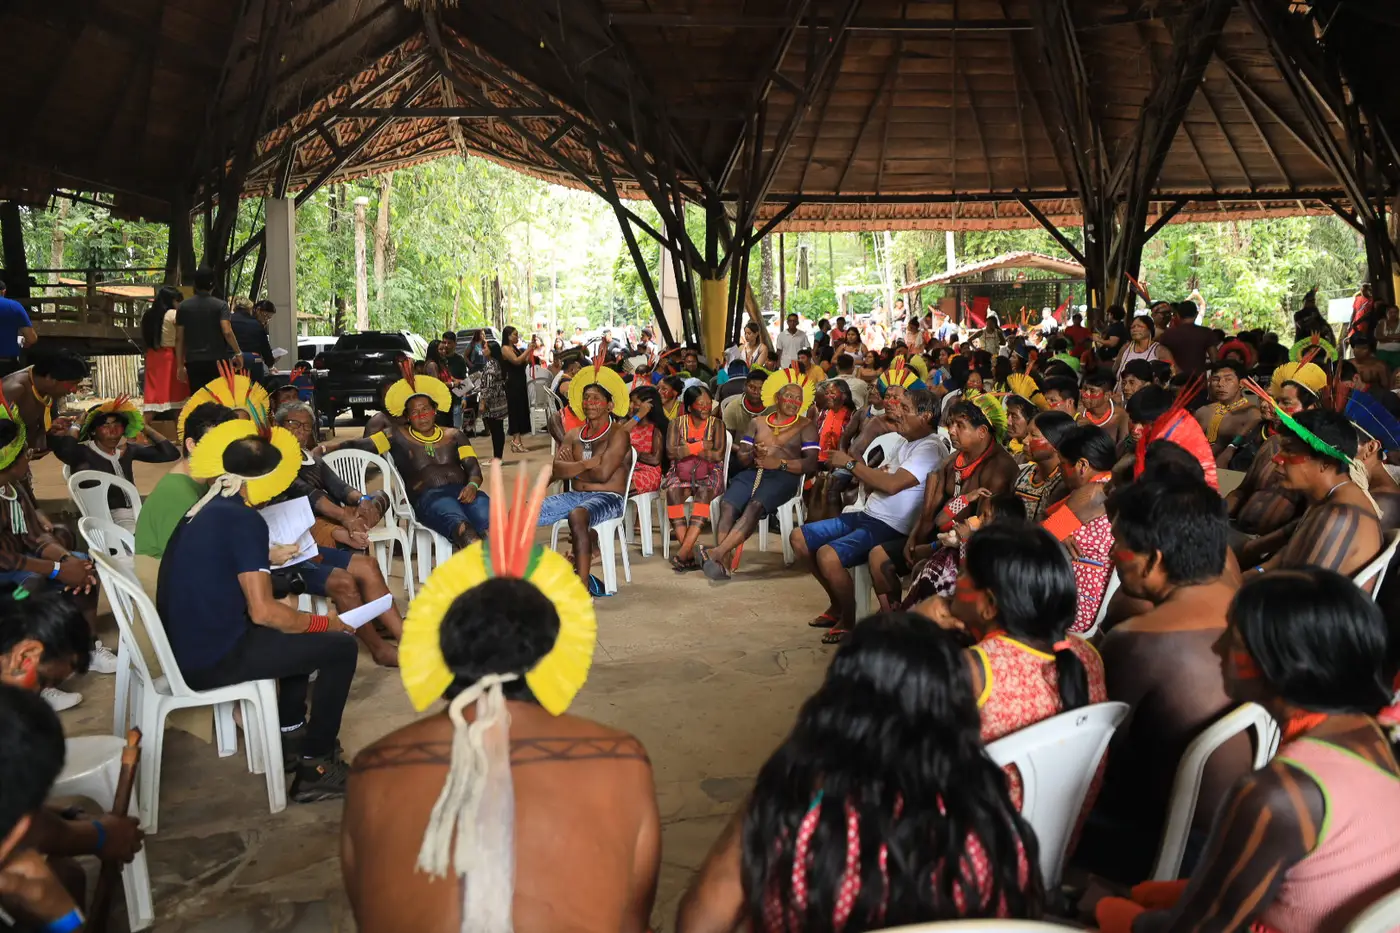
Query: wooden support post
{"points": [[361, 272], [16, 265]]}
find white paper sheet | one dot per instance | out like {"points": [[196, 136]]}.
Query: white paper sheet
{"points": [[290, 523], [373, 610]]}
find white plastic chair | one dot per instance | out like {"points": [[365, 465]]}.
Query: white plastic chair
{"points": [[352, 467], [89, 491], [118, 545], [543, 403], [1370, 577], [162, 695], [663, 521], [91, 768], [1057, 759], [1381, 917], [791, 514], [609, 531], [1109, 590], [1187, 786]]}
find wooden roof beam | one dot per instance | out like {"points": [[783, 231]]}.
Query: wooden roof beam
{"points": [[1154, 69], [1244, 88], [900, 26], [886, 84], [1258, 129]]}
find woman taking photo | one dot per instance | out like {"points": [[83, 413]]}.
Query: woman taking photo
{"points": [[648, 429], [695, 446], [514, 359], [880, 809], [1306, 843]]}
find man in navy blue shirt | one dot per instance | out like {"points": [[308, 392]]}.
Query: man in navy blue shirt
{"points": [[225, 626], [14, 323]]}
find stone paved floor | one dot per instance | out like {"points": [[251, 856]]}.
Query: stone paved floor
{"points": [[708, 676]]}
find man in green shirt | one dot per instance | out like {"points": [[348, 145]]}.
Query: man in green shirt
{"points": [[175, 494]]}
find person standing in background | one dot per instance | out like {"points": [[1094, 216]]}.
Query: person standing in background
{"points": [[457, 369], [514, 359], [247, 321], [14, 324], [791, 342], [162, 391], [204, 334]]}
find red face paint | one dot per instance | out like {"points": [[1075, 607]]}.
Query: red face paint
{"points": [[965, 591], [1289, 459], [1037, 445], [1245, 668], [1124, 556]]}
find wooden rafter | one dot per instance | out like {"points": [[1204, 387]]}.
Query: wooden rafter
{"points": [[885, 87]]}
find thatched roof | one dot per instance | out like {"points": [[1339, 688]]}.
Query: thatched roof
{"points": [[936, 113], [1020, 260]]}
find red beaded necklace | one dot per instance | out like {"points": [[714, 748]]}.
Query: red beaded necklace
{"points": [[1089, 416], [965, 469]]}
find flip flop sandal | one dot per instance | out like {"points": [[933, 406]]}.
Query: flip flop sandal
{"points": [[834, 636], [596, 588], [825, 620]]}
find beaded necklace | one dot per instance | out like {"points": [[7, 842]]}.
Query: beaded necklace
{"points": [[1089, 416], [588, 442], [1221, 410], [778, 429], [965, 469], [18, 525], [428, 441]]}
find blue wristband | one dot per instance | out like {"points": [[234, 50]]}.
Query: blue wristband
{"points": [[67, 923], [53, 574], [101, 837]]}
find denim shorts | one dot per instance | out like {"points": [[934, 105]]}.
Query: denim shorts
{"points": [[313, 574], [439, 509], [852, 535], [601, 506]]}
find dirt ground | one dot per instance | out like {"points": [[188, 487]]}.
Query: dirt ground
{"points": [[708, 676]]}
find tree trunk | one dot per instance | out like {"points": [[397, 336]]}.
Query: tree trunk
{"points": [[498, 306], [381, 240], [456, 303], [782, 275], [333, 201], [361, 282], [765, 274], [56, 244]]}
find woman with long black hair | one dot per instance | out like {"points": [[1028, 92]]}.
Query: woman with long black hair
{"points": [[493, 397], [1086, 459], [163, 390], [1016, 595], [1307, 842], [880, 809], [515, 358]]}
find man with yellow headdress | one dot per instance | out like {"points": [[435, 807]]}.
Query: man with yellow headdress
{"points": [[775, 453], [501, 813], [439, 465], [595, 459], [224, 624], [1260, 505]]}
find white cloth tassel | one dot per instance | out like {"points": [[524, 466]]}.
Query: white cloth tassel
{"points": [[472, 825], [227, 485], [1357, 472]]}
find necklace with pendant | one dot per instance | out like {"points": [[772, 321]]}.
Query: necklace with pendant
{"points": [[429, 441]]}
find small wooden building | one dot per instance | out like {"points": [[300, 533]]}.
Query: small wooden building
{"points": [[1005, 285]]}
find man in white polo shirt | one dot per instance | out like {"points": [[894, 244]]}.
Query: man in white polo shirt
{"points": [[791, 342], [895, 496]]}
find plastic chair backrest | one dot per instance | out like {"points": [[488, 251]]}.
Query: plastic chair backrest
{"points": [[129, 601], [1186, 788], [1057, 759], [724, 464], [1381, 917], [89, 491], [627, 490], [1370, 577], [1109, 590], [108, 537], [890, 444], [353, 466]]}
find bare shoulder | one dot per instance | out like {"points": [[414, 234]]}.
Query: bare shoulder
{"points": [[562, 739]]}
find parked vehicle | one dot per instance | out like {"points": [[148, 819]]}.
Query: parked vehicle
{"points": [[351, 374]]}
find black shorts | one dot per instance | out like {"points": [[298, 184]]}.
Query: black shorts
{"points": [[895, 550], [776, 487]]}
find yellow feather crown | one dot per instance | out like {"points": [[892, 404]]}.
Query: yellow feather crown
{"points": [[781, 379], [207, 460], [232, 390], [608, 379]]}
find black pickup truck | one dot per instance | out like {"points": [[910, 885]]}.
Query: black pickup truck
{"points": [[352, 373]]}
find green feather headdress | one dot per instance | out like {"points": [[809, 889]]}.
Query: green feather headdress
{"points": [[11, 451], [1298, 431], [121, 405]]}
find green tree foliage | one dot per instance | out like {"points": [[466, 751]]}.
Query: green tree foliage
{"points": [[456, 226]]}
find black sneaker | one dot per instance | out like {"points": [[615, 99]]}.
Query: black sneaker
{"points": [[292, 743], [320, 779]]}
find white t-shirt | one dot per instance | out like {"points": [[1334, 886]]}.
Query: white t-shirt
{"points": [[789, 345], [899, 511]]}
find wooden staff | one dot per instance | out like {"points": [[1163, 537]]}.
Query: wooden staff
{"points": [[121, 804]]}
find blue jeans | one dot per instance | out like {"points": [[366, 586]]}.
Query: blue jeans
{"points": [[601, 506], [439, 509], [852, 535]]}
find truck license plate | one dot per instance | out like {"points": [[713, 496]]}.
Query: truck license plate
{"points": [[362, 400]]}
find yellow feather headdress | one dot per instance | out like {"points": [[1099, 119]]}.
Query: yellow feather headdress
{"points": [[605, 378], [207, 462], [435, 390], [232, 390], [781, 379]]}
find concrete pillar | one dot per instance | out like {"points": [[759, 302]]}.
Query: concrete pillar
{"points": [[280, 275], [714, 309]]}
